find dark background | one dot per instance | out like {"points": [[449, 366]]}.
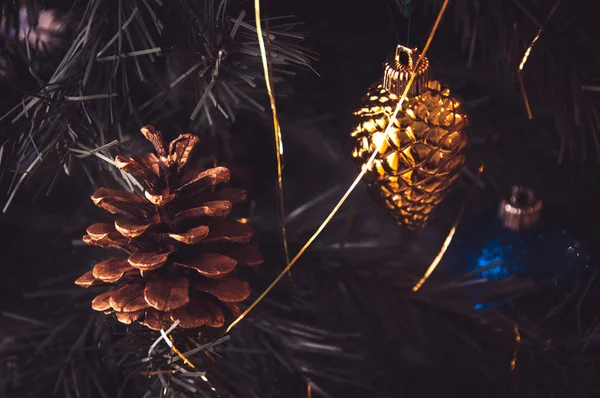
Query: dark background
{"points": [[352, 39]]}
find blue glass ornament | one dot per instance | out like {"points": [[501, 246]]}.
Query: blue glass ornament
{"points": [[550, 256]]}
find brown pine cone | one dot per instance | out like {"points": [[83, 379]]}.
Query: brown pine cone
{"points": [[181, 246]]}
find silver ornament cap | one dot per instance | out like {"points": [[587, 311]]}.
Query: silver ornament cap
{"points": [[521, 211]]}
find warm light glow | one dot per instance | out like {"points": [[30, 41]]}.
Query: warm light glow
{"points": [[378, 140]]}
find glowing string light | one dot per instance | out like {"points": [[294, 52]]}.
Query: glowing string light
{"points": [[276, 127], [364, 169]]}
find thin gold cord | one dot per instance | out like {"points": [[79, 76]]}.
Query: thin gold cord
{"points": [[526, 57], [447, 242], [364, 169], [276, 128], [513, 361], [442, 251]]}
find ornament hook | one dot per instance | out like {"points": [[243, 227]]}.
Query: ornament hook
{"points": [[400, 49], [397, 72]]}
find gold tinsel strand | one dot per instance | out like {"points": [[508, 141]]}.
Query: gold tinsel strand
{"points": [[525, 58], [276, 127], [354, 183], [436, 261]]}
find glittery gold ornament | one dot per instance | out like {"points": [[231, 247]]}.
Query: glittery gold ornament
{"points": [[421, 156]]}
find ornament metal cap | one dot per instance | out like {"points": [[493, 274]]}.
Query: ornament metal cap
{"points": [[522, 210], [396, 72]]}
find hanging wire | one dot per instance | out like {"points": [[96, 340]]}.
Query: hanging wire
{"points": [[356, 181], [448, 239], [526, 57], [276, 128]]}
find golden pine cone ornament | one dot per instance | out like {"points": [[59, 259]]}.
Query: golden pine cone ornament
{"points": [[421, 157], [181, 246]]}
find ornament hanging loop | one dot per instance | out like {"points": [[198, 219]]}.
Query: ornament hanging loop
{"points": [[396, 72], [410, 52]]}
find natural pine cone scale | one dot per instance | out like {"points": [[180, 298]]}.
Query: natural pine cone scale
{"points": [[128, 298], [100, 230], [194, 315], [102, 301], [111, 270], [217, 208], [211, 265], [115, 240], [131, 228], [181, 247], [148, 261], [156, 320], [167, 295], [216, 318], [88, 279], [228, 290], [191, 236], [129, 317]]}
